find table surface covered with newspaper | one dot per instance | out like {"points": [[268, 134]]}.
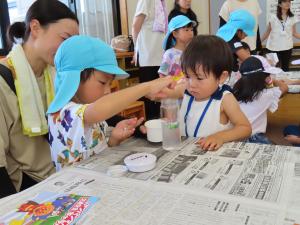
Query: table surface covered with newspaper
{"points": [[241, 183]]}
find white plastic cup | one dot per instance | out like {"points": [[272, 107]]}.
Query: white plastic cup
{"points": [[154, 130]]}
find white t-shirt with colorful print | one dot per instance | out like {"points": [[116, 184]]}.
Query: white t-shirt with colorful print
{"points": [[70, 140], [170, 65]]}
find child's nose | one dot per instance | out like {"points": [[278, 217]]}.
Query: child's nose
{"points": [[107, 90], [191, 82]]}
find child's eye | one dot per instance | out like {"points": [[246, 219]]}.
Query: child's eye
{"points": [[200, 78], [101, 82]]}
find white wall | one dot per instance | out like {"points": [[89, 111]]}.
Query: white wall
{"points": [[200, 7]]}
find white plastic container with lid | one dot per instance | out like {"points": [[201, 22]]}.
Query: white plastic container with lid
{"points": [[140, 162]]}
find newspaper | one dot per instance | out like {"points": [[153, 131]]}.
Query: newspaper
{"points": [[255, 171], [126, 201]]}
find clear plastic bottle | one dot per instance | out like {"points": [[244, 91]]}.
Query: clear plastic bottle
{"points": [[171, 137]]}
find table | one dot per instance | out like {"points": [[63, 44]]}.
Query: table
{"points": [[289, 106], [241, 183]]}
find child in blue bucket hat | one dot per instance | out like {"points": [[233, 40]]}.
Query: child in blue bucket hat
{"points": [[180, 33], [85, 68], [241, 23]]}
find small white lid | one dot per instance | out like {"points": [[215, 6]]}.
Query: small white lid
{"points": [[140, 162], [116, 170]]}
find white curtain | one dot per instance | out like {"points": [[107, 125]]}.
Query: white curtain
{"points": [[96, 18], [19, 12]]}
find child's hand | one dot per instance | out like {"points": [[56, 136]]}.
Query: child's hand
{"points": [[157, 85], [210, 143], [167, 90], [123, 130]]}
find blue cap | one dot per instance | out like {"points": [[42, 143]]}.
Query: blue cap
{"points": [[176, 23], [238, 20], [73, 56]]}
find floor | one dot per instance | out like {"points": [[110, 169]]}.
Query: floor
{"points": [[274, 133]]}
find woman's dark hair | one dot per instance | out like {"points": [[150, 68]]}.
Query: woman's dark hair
{"points": [[279, 12], [86, 74], [248, 88], [190, 14], [210, 52], [190, 11], [46, 12], [171, 37]]}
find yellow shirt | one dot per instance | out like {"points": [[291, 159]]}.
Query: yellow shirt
{"points": [[20, 153]]}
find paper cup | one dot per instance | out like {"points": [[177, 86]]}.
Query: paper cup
{"points": [[154, 130]]}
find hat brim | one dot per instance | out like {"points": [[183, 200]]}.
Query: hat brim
{"points": [[67, 89], [112, 69], [227, 32]]}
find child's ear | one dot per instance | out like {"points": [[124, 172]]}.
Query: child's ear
{"points": [[223, 77], [174, 33]]}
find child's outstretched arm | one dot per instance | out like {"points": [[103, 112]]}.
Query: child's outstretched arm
{"points": [[241, 127], [282, 86], [113, 103]]}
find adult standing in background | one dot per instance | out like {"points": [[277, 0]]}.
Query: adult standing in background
{"points": [[149, 26], [280, 32], [24, 151], [254, 8], [183, 7]]}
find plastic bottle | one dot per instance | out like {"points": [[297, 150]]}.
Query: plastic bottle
{"points": [[171, 137]]}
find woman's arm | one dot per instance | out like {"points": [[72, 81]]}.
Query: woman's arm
{"points": [[267, 33], [295, 34], [136, 26]]}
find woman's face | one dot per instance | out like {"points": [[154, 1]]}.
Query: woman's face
{"points": [[285, 4], [184, 4], [47, 39]]}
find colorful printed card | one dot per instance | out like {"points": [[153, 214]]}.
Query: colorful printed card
{"points": [[50, 209]]}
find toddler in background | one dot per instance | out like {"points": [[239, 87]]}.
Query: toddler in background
{"points": [[241, 24], [180, 33], [256, 94]]}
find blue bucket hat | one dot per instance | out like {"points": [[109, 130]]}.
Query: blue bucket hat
{"points": [[73, 56], [238, 20], [176, 23]]}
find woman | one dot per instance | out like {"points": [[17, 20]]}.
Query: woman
{"points": [[183, 7], [254, 8], [24, 151], [148, 31], [280, 32]]}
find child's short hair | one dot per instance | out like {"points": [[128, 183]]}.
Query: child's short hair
{"points": [[245, 46], [86, 74], [209, 51]]}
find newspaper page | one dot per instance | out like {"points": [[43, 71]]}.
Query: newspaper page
{"points": [[242, 169], [126, 201]]}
